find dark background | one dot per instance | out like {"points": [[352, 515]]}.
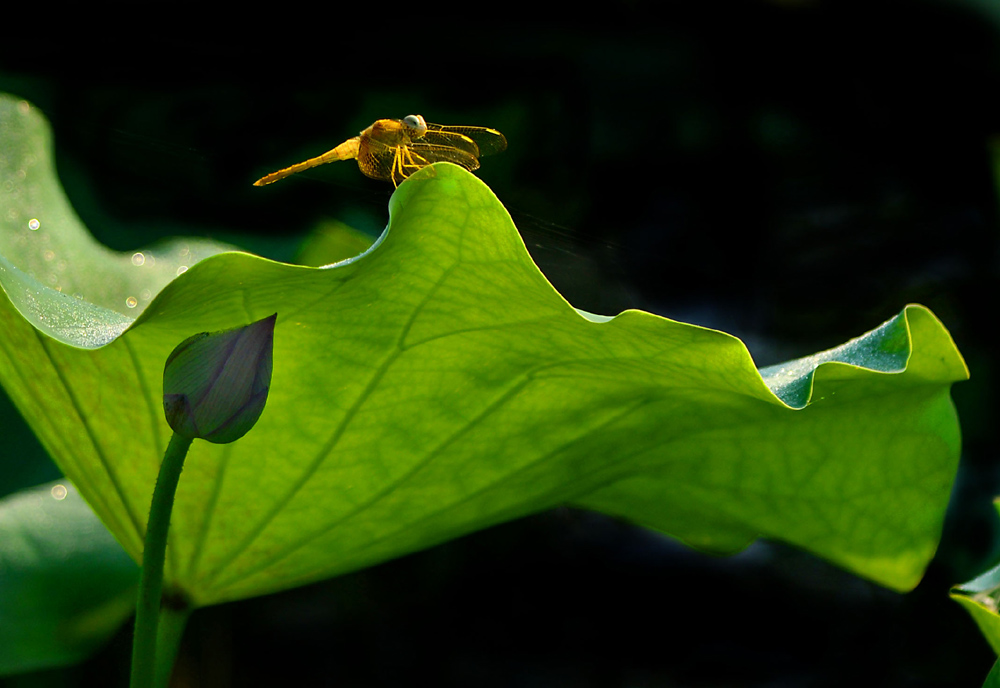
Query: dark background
{"points": [[793, 173]]}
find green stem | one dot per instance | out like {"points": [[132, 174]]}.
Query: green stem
{"points": [[147, 613], [168, 641]]}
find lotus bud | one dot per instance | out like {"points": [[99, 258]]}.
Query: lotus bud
{"points": [[215, 383]]}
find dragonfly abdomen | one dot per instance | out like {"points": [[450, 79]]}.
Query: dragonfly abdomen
{"points": [[345, 151]]}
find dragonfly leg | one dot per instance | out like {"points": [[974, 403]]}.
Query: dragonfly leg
{"points": [[397, 168], [406, 163]]}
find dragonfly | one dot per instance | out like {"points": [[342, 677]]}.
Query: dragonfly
{"points": [[393, 149]]}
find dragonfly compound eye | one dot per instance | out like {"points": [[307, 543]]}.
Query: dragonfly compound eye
{"points": [[417, 123]]}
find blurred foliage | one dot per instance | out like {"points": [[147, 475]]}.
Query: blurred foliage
{"points": [[66, 586]]}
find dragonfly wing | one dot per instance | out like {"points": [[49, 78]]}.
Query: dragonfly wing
{"points": [[396, 163], [376, 159], [423, 154], [450, 139], [488, 141]]}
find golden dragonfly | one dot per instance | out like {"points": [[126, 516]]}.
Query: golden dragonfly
{"points": [[393, 149]]}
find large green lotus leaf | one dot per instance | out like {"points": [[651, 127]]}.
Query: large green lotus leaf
{"points": [[65, 585], [438, 384]]}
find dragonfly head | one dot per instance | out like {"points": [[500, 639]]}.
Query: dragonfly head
{"points": [[416, 124]]}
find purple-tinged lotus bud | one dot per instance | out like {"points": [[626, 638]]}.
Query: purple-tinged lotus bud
{"points": [[215, 383]]}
